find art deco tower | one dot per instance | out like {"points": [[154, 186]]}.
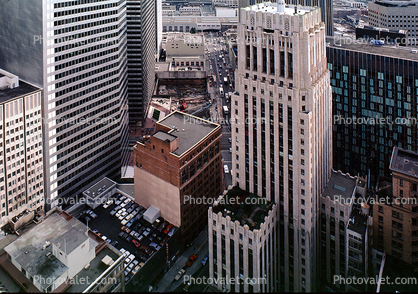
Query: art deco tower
{"points": [[282, 126]]}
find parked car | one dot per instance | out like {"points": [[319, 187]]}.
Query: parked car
{"points": [[136, 243], [114, 243], [179, 274], [205, 259], [168, 229]]}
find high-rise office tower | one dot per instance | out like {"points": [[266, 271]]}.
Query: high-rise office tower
{"points": [[76, 51], [141, 57], [370, 84], [398, 15], [325, 5], [283, 147], [21, 166], [158, 26]]}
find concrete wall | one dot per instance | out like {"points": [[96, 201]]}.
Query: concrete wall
{"points": [[150, 190]]}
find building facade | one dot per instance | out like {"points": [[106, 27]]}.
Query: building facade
{"points": [[22, 173], [158, 27], [142, 42], [177, 167], [371, 83], [338, 202], [242, 246], [395, 219], [280, 152], [396, 15], [80, 62]]}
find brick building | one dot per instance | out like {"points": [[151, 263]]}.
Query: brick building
{"points": [[178, 164], [396, 212]]}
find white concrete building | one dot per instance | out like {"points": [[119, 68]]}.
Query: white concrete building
{"points": [[77, 52], [21, 149], [396, 15], [59, 250], [283, 148], [242, 245]]}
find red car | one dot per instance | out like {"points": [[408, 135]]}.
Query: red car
{"points": [[168, 229], [136, 243], [191, 260]]}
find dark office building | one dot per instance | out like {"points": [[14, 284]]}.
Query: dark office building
{"points": [[372, 84], [141, 57]]}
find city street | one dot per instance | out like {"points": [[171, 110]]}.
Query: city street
{"points": [[221, 68]]}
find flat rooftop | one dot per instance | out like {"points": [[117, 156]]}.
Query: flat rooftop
{"points": [[100, 187], [28, 251], [272, 8], [189, 129], [185, 37], [97, 267], [23, 89], [404, 161], [361, 46], [393, 3], [359, 223], [340, 185], [250, 212], [163, 136]]}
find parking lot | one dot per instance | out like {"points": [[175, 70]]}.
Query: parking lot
{"points": [[120, 221]]}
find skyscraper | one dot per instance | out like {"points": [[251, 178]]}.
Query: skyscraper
{"points": [[21, 170], [158, 26], [76, 51], [283, 148], [372, 83], [325, 5], [141, 56], [398, 15]]}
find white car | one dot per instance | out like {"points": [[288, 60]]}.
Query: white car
{"points": [[230, 150], [226, 170], [122, 250], [124, 222]]}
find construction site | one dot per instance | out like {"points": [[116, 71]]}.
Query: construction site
{"points": [[191, 98]]}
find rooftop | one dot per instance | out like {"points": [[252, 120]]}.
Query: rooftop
{"points": [[97, 267], [363, 46], [101, 186], [247, 212], [404, 161], [28, 251], [395, 3], [340, 185], [359, 223], [189, 129], [163, 136], [272, 8], [185, 37], [23, 89], [395, 268]]}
